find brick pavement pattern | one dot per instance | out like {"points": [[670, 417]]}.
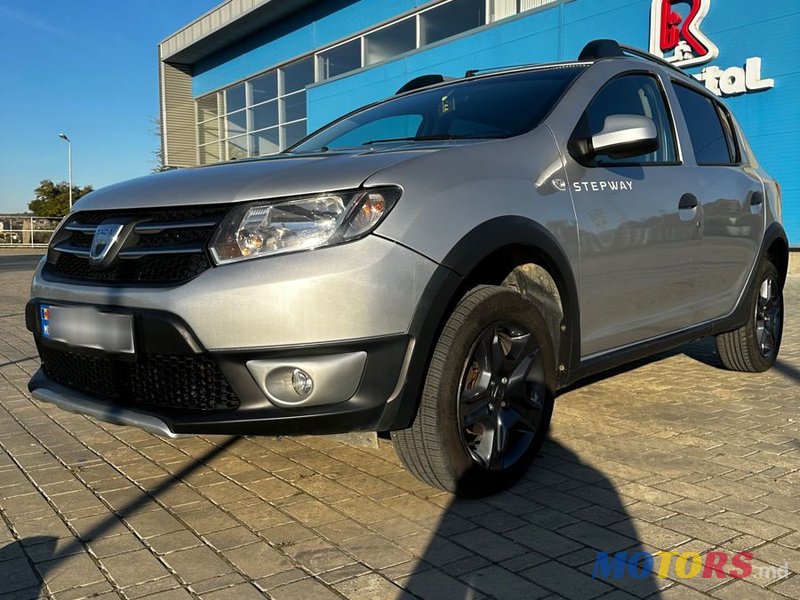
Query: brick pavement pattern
{"points": [[672, 454]]}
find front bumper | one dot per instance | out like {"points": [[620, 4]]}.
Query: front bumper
{"points": [[372, 297], [364, 289], [180, 393], [205, 349], [68, 399]]}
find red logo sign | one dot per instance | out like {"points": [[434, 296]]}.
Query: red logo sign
{"points": [[675, 33]]}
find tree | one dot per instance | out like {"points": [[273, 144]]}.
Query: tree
{"points": [[52, 199], [155, 123]]}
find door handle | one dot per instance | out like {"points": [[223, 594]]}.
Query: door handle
{"points": [[756, 199], [688, 201]]}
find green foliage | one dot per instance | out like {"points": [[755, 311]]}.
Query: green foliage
{"points": [[52, 199]]}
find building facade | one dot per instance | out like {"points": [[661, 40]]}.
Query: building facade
{"points": [[251, 77]]}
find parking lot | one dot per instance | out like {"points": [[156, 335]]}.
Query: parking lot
{"points": [[674, 454]]}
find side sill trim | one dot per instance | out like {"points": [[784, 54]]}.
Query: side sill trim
{"points": [[605, 361], [115, 415]]}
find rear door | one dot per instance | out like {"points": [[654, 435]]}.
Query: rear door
{"points": [[731, 196], [638, 246]]}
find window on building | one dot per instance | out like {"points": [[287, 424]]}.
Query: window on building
{"points": [[532, 4], [451, 19], [267, 112], [339, 60], [294, 79], [237, 147], [292, 133], [709, 128], [208, 132], [235, 98], [207, 107], [500, 9], [294, 106], [210, 153], [258, 117], [264, 88], [236, 123], [390, 41], [265, 142], [297, 75], [264, 115]]}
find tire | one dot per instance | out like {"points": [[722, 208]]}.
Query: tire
{"points": [[754, 347], [487, 399]]}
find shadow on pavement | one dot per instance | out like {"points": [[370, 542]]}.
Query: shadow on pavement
{"points": [[787, 370], [16, 362], [543, 541], [15, 571]]}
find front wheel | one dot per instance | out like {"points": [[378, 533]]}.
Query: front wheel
{"points": [[488, 396], [754, 347]]}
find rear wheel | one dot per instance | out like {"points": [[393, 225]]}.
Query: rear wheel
{"points": [[487, 399], [754, 347]]}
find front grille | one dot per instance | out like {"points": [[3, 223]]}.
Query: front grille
{"points": [[153, 380], [166, 246]]}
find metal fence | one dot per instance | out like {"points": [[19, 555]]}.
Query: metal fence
{"points": [[22, 231]]}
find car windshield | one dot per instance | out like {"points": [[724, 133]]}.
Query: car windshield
{"points": [[499, 106]]}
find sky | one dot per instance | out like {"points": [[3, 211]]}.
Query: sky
{"points": [[88, 68]]}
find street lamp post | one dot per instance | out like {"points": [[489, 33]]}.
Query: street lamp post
{"points": [[63, 136]]}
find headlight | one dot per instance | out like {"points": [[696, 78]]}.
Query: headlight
{"points": [[300, 223]]}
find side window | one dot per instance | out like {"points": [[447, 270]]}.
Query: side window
{"points": [[631, 95], [710, 128], [730, 136]]}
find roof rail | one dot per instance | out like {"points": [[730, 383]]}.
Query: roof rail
{"points": [[598, 49], [473, 72], [421, 82]]}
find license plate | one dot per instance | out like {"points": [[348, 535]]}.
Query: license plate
{"points": [[87, 327]]}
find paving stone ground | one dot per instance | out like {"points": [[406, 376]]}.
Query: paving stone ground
{"points": [[673, 454]]}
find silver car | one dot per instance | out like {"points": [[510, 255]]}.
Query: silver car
{"points": [[436, 265]]}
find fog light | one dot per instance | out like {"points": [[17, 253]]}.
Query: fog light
{"points": [[302, 382]]}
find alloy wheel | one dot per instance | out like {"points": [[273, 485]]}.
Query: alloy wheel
{"points": [[501, 395], [769, 316]]}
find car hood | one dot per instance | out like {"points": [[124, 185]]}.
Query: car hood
{"points": [[284, 175]]}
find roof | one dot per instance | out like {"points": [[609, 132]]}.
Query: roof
{"points": [[223, 25]]}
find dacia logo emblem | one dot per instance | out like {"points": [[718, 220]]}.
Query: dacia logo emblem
{"points": [[105, 237]]}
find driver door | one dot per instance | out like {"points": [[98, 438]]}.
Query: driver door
{"points": [[638, 224]]}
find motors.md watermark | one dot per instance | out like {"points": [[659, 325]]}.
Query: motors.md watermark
{"points": [[684, 565]]}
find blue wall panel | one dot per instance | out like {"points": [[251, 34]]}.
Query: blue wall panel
{"points": [[511, 42], [321, 24], [770, 118]]}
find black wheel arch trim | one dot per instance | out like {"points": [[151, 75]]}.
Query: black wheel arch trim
{"points": [[446, 288], [502, 232], [775, 232], [741, 313]]}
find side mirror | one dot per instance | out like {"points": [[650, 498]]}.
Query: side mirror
{"points": [[625, 136]]}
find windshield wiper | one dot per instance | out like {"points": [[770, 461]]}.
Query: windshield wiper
{"points": [[424, 138]]}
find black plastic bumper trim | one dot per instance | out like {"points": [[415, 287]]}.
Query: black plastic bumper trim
{"points": [[155, 332], [46, 390], [256, 415]]}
